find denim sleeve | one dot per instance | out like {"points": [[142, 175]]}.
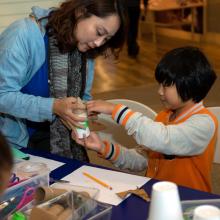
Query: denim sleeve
{"points": [[17, 67], [89, 81]]}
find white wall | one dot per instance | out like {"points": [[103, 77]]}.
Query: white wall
{"points": [[11, 10]]}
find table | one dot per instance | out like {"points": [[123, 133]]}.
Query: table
{"points": [[131, 208], [173, 5]]}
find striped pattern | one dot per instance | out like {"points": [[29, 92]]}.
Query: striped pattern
{"points": [[110, 151], [121, 114]]}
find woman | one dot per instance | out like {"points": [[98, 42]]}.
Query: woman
{"points": [[43, 67]]}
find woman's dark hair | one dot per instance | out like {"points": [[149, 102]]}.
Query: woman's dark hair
{"points": [[6, 158], [189, 70], [62, 22]]}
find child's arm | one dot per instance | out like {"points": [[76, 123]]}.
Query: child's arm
{"points": [[184, 139], [100, 106], [120, 156]]}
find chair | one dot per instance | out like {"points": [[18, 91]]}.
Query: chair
{"points": [[115, 132], [216, 112]]}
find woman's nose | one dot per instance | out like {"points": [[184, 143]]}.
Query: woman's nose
{"points": [[99, 41]]}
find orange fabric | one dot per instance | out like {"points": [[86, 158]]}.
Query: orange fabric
{"points": [[115, 110], [127, 117], [105, 150], [189, 171], [117, 152]]}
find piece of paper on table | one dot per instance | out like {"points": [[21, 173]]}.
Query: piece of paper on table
{"points": [[51, 164], [117, 180]]}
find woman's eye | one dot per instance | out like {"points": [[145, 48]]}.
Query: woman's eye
{"points": [[99, 33]]}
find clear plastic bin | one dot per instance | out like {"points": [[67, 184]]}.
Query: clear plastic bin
{"points": [[83, 207], [21, 195], [36, 181], [70, 187], [101, 212], [188, 206]]}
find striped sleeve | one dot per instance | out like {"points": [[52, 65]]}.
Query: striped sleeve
{"points": [[122, 157], [110, 151], [121, 114]]}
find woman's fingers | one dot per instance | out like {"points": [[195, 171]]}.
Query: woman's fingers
{"points": [[67, 124], [75, 123], [68, 108]]}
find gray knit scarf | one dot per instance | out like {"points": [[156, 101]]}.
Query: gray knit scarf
{"points": [[66, 74]]}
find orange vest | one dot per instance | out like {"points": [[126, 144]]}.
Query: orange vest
{"points": [[189, 171]]}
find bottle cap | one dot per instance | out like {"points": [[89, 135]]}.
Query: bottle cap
{"points": [[18, 216]]}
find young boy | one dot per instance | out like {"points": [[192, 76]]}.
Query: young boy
{"points": [[180, 143], [6, 163]]}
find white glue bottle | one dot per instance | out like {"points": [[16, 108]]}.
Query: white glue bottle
{"points": [[82, 132]]}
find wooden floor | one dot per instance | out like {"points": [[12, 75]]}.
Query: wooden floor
{"points": [[127, 72]]}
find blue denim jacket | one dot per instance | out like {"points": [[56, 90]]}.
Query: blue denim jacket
{"points": [[22, 52]]}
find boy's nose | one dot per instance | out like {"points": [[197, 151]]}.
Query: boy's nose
{"points": [[160, 90]]}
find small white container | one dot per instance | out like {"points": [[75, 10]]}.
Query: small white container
{"points": [[206, 212], [80, 131]]}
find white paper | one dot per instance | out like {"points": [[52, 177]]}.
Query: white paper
{"points": [[117, 180], [51, 164]]}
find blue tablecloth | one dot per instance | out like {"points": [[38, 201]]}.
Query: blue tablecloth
{"points": [[132, 207]]}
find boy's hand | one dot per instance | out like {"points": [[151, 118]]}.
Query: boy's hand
{"points": [[92, 142], [99, 106]]}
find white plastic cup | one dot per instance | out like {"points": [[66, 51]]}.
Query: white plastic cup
{"points": [[165, 202], [83, 132], [206, 212]]}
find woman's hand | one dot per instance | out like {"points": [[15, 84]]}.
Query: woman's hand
{"points": [[65, 107], [99, 106], [92, 142]]}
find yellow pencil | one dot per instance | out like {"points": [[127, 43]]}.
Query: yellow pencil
{"points": [[97, 180]]}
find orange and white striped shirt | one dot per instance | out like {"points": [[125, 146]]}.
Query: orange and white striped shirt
{"points": [[190, 136]]}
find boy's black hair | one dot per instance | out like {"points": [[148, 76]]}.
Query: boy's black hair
{"points": [[189, 70], [6, 158]]}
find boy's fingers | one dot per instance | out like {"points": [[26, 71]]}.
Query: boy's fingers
{"points": [[73, 134], [84, 140], [79, 141], [93, 116]]}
